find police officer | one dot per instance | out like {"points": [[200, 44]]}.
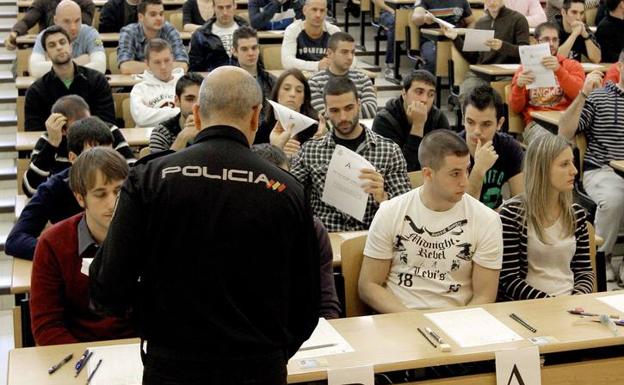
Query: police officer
{"points": [[214, 249]]}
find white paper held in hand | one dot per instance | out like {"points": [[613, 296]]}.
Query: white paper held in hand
{"points": [[531, 58], [288, 117], [343, 187], [474, 40]]}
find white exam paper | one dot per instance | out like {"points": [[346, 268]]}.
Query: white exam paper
{"points": [[286, 117], [615, 301], [473, 327], [343, 187], [324, 334], [86, 263], [474, 40], [360, 375], [518, 366], [531, 59], [121, 365], [441, 22]]}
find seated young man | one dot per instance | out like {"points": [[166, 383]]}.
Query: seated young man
{"points": [[65, 78], [305, 41], [330, 306], [412, 115], [152, 100], [50, 155], [387, 180], [178, 131], [576, 38], [53, 201], [609, 32], [116, 14], [211, 44], [87, 47], [59, 302], [341, 54], [436, 246], [596, 113], [511, 30], [569, 75], [151, 25], [496, 157]]}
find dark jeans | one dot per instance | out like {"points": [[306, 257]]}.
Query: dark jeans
{"points": [[165, 369]]}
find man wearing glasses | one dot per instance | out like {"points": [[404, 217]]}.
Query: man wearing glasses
{"points": [[569, 75]]}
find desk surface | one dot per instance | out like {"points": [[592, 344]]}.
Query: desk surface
{"points": [[617, 164], [100, 3], [551, 117], [462, 31], [25, 140], [389, 342], [510, 69]]}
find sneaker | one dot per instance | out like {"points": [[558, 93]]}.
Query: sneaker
{"points": [[388, 72]]}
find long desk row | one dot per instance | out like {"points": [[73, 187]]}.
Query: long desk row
{"points": [[23, 5], [391, 342]]}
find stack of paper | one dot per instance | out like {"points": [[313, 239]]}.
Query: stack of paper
{"points": [[615, 301], [121, 365], [473, 327], [325, 340], [475, 39], [531, 59]]}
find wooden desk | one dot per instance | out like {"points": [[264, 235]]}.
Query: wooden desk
{"points": [[617, 165], [23, 5], [136, 137], [20, 279], [494, 70], [548, 117], [391, 342], [336, 240]]}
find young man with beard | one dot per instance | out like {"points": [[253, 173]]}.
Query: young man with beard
{"points": [[387, 180], [65, 78], [576, 38], [177, 132]]}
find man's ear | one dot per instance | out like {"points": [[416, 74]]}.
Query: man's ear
{"points": [[72, 157], [80, 200], [196, 117], [255, 118], [427, 173], [500, 123]]}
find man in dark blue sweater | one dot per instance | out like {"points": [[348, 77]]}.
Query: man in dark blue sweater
{"points": [[54, 200]]}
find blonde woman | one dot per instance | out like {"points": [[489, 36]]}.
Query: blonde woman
{"points": [[545, 237]]}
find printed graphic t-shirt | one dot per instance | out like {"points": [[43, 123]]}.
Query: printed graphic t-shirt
{"points": [[433, 252], [225, 34], [312, 49]]}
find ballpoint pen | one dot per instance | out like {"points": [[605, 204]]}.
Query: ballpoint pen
{"points": [[56, 367], [82, 358], [94, 370], [83, 364]]}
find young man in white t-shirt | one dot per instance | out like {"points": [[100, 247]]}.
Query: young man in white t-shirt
{"points": [[435, 246]]}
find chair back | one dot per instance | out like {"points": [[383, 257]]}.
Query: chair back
{"points": [[460, 67], [176, 21], [17, 327], [145, 151], [351, 256], [127, 115], [416, 178], [272, 56], [516, 124], [581, 145], [592, 252], [20, 105], [22, 58], [590, 16], [21, 166]]}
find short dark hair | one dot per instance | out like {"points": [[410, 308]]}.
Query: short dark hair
{"points": [[545, 25], [337, 37], [51, 31], [92, 131], [568, 3], [306, 107], [612, 4], [243, 32], [83, 173], [142, 7], [271, 153], [156, 45], [418, 75], [482, 97], [72, 107], [437, 145], [339, 85], [188, 79]]}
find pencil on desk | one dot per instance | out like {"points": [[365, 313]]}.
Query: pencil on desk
{"points": [[427, 338]]}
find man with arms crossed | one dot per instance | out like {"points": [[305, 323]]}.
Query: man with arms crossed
{"points": [[435, 246]]}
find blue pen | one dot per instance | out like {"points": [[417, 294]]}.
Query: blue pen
{"points": [[83, 364], [81, 360]]}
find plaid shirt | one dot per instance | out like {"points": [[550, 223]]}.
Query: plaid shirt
{"points": [[132, 42], [310, 167]]}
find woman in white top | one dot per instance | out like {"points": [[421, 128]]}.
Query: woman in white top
{"points": [[545, 237]]}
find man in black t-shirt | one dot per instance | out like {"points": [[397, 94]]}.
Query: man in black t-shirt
{"points": [[496, 158], [575, 37], [609, 33], [407, 118]]}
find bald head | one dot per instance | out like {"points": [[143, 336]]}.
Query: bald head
{"points": [[68, 16], [230, 96]]}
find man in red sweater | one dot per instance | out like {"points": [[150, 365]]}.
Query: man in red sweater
{"points": [[569, 75], [59, 302]]}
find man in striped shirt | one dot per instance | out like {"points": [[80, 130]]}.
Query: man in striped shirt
{"points": [[597, 112], [341, 52]]}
